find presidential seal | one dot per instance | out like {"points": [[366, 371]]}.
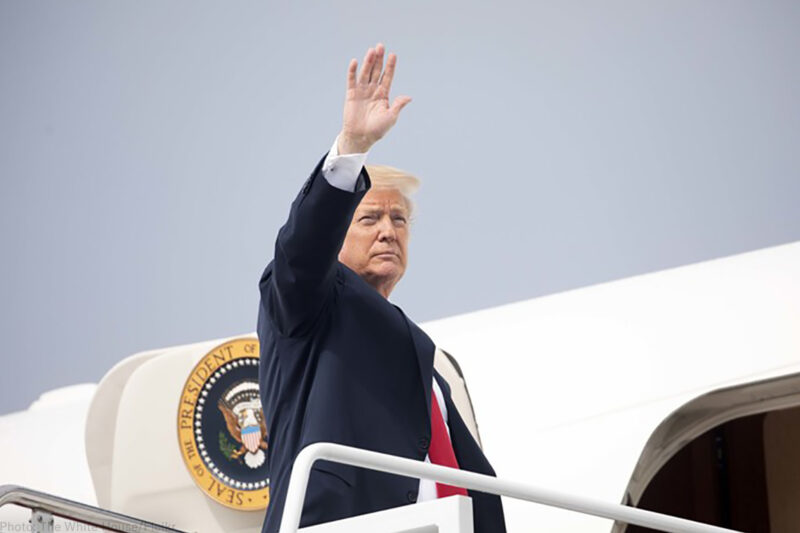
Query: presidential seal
{"points": [[221, 428]]}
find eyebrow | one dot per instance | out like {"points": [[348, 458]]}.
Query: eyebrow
{"points": [[376, 210]]}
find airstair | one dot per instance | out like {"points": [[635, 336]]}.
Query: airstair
{"points": [[448, 515]]}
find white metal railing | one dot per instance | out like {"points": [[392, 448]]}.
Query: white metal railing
{"points": [[43, 506], [338, 453]]}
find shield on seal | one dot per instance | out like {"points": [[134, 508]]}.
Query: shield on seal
{"points": [[251, 438]]}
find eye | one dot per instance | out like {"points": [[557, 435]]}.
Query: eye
{"points": [[400, 220], [366, 219]]}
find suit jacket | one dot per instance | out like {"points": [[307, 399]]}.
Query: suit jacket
{"points": [[340, 363]]}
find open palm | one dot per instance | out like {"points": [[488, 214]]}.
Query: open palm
{"points": [[367, 112]]}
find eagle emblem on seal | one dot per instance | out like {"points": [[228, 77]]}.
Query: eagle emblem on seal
{"points": [[240, 405]]}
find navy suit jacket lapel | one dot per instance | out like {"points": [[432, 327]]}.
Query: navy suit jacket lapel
{"points": [[424, 347], [464, 444]]}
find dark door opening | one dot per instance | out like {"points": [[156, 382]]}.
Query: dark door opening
{"points": [[743, 475]]}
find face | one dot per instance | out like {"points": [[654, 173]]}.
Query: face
{"points": [[376, 244]]}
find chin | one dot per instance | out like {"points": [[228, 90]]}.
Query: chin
{"points": [[388, 270]]}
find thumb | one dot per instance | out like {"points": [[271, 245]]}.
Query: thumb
{"points": [[399, 103]]}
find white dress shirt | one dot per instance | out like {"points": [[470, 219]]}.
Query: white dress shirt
{"points": [[342, 171]]}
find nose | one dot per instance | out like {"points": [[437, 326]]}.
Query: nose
{"points": [[386, 230]]}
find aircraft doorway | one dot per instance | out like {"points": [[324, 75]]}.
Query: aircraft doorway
{"points": [[743, 474]]}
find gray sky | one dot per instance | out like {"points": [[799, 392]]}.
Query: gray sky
{"points": [[149, 151]]}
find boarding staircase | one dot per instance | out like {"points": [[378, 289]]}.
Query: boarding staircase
{"points": [[448, 515]]}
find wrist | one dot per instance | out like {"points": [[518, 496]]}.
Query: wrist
{"points": [[351, 144]]}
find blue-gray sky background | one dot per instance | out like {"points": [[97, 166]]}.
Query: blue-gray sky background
{"points": [[149, 151]]}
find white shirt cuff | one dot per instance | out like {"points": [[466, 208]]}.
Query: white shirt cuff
{"points": [[342, 171]]}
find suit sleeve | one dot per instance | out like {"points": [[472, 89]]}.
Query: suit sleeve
{"points": [[301, 279]]}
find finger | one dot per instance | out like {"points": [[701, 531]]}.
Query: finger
{"points": [[388, 73], [377, 66], [351, 73], [399, 103], [366, 66]]}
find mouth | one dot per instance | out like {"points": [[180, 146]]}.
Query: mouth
{"points": [[385, 255]]}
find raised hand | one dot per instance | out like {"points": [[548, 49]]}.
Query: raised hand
{"points": [[367, 113]]}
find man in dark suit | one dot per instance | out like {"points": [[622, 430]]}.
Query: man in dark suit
{"points": [[339, 362]]}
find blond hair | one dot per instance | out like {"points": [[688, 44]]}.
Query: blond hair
{"points": [[386, 177]]}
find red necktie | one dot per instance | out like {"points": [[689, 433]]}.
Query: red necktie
{"points": [[441, 449]]}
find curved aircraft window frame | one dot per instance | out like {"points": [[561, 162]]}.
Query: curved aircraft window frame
{"points": [[700, 415]]}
